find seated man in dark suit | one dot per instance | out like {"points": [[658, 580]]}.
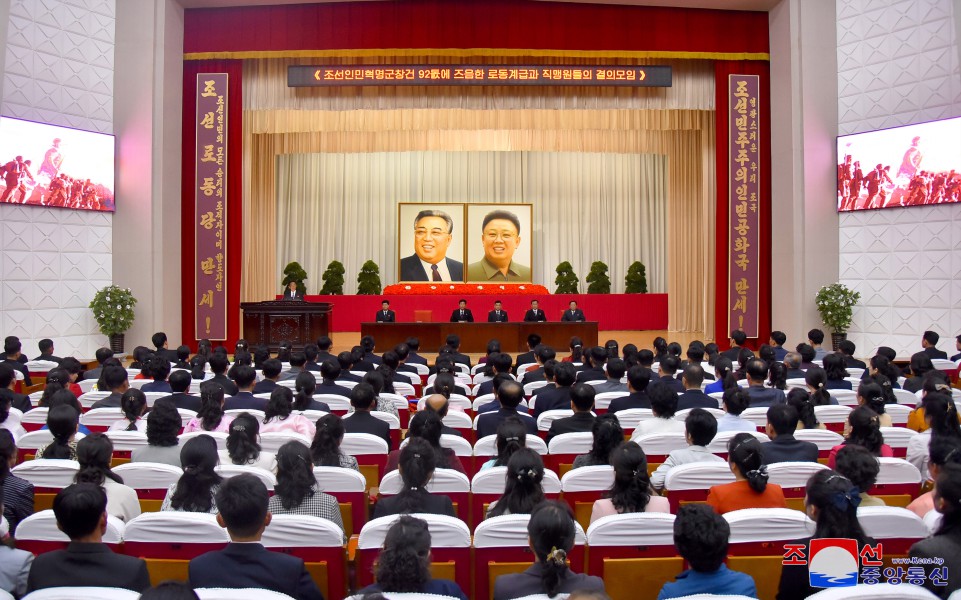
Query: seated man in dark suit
{"points": [[582, 402], [272, 369], [499, 363], [756, 371], [298, 364], [244, 399], [345, 360], [777, 341], [369, 345], [329, 373], [560, 397], [311, 352], [527, 358], [693, 397], [245, 563], [115, 378], [159, 340], [667, 374], [179, 384], [413, 357], [360, 361], [81, 511], [815, 339], [462, 314], [738, 338], [542, 354], [638, 378], [782, 420], [46, 351], [101, 354], [453, 342], [792, 360], [807, 356], [535, 314], [159, 371], [957, 346], [439, 404], [218, 365], [496, 383], [573, 314], [929, 342], [403, 352], [12, 356], [8, 381], [594, 359], [385, 314], [509, 396], [364, 400], [695, 356], [323, 349], [498, 315]]}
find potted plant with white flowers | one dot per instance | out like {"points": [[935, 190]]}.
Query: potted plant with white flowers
{"points": [[835, 304], [112, 308]]}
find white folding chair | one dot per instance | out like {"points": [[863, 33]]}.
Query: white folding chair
{"points": [[228, 471], [632, 529], [154, 396], [751, 525], [588, 479], [391, 420], [404, 389], [487, 446], [906, 397], [661, 444], [897, 437], [491, 481], [240, 594], [845, 397], [828, 414], [877, 591], [302, 531], [42, 527], [338, 479], [823, 438], [48, 473], [899, 414], [127, 441], [257, 414], [756, 415], [399, 402], [793, 474], [571, 443], [603, 400], [175, 527], [139, 383], [90, 398], [697, 476], [630, 418], [898, 470], [336, 402], [87, 385], [482, 400], [456, 419], [891, 522], [271, 441], [219, 436], [72, 593], [549, 416], [681, 415], [534, 385], [443, 481], [521, 369], [362, 443]]}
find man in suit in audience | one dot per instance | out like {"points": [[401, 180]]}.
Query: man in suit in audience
{"points": [[298, 364], [498, 315], [597, 356], [271, 371], [693, 397], [8, 381], [245, 562], [496, 382], [667, 374], [808, 355], [815, 339], [957, 346], [433, 232], [738, 338], [847, 350], [11, 350], [218, 366], [180, 384], [101, 354], [582, 402], [499, 362], [385, 314], [115, 378], [453, 342], [311, 352], [46, 351], [615, 370], [323, 349], [638, 378], [363, 399], [462, 314], [403, 352], [439, 404], [777, 340], [929, 342], [542, 354], [761, 396], [573, 314], [346, 361], [535, 314], [244, 399], [329, 373], [533, 341], [509, 396], [559, 397], [368, 344], [782, 420], [81, 512], [792, 360], [359, 360], [695, 356], [413, 357], [159, 340]]}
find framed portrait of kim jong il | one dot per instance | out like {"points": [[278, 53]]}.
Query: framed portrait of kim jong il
{"points": [[498, 239], [430, 242]]}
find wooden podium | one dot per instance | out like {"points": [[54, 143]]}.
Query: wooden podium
{"points": [[272, 322]]}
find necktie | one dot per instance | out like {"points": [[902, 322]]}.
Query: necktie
{"points": [[462, 313], [435, 275]]}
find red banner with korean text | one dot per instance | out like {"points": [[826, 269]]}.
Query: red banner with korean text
{"points": [[744, 175], [210, 261]]}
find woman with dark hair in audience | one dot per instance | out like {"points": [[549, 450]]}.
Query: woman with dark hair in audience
{"points": [[941, 417], [551, 533], [243, 444], [62, 422], [632, 491], [204, 348], [261, 354], [831, 501], [283, 353], [403, 565], [141, 354], [62, 397], [735, 402], [6, 422], [932, 382], [306, 385], [428, 425], [871, 395], [387, 369], [211, 415], [325, 449], [416, 466], [241, 357], [243, 346], [133, 404], [945, 543], [712, 352], [835, 371], [743, 356], [880, 366], [750, 488], [159, 368], [376, 380], [776, 375], [673, 348], [94, 453], [522, 485], [111, 362], [627, 352], [608, 435], [862, 468], [17, 492], [801, 401], [612, 349], [766, 353], [279, 415], [816, 380], [920, 364], [577, 351], [196, 489], [493, 347], [296, 491], [863, 429], [163, 426], [723, 369], [511, 437], [941, 452], [445, 384], [197, 366], [73, 368]]}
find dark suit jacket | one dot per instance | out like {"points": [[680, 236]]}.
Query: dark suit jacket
{"points": [[265, 387], [762, 396], [947, 547], [573, 315], [88, 565], [670, 382], [330, 387], [732, 353], [244, 401], [524, 359], [185, 401], [348, 376], [253, 566], [364, 422], [935, 353], [533, 375], [592, 374], [578, 422], [795, 374], [695, 399], [49, 357], [493, 317], [298, 294], [415, 358], [363, 365], [93, 374], [486, 388], [780, 352], [850, 361], [157, 386], [463, 359], [111, 401], [784, 448], [16, 365], [390, 317], [634, 400], [18, 401], [456, 317], [230, 388], [433, 504], [487, 422], [557, 399], [412, 270], [534, 316]]}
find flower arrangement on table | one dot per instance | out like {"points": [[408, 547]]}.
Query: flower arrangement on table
{"points": [[453, 289]]}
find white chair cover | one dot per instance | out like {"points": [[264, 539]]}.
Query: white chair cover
{"points": [[510, 531], [887, 522], [405, 389], [854, 373], [147, 475], [877, 591], [482, 400], [897, 437], [42, 527], [898, 470], [768, 524], [479, 377], [338, 479], [47, 473], [336, 402], [271, 441], [72, 593], [491, 481], [932, 520], [311, 415], [127, 441], [459, 445], [228, 471], [154, 396], [824, 439], [257, 414], [219, 436], [549, 416], [421, 369], [458, 420], [456, 402], [571, 443], [399, 402], [899, 413], [174, 526], [588, 479], [101, 417], [905, 397], [756, 415], [681, 415], [35, 366], [302, 531], [534, 385], [362, 443], [444, 480], [630, 418], [521, 369], [412, 379], [719, 443], [660, 444], [698, 476], [386, 417], [240, 594], [603, 400], [832, 414], [941, 364], [87, 385], [845, 397], [632, 529], [139, 383], [88, 399], [445, 532], [793, 474], [487, 445]]}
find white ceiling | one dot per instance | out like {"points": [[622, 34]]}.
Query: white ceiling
{"points": [[759, 5]]}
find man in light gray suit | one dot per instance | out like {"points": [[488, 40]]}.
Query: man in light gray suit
{"points": [[615, 370], [298, 360]]}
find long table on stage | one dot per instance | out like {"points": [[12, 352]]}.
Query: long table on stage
{"points": [[474, 336]]}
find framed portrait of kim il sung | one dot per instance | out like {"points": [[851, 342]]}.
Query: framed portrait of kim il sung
{"points": [[499, 243], [430, 242]]}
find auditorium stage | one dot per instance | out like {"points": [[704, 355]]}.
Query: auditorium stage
{"points": [[613, 312]]}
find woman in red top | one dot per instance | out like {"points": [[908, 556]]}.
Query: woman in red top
{"points": [[865, 431], [750, 488], [576, 356]]}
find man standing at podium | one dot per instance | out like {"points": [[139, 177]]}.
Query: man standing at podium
{"points": [[498, 315], [385, 314], [292, 293]]}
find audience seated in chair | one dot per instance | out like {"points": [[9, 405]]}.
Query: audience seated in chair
{"points": [[159, 371], [945, 543], [700, 429], [362, 399], [426, 425], [416, 466], [62, 421], [942, 451], [801, 401], [663, 405], [196, 489], [163, 446], [325, 450], [734, 403], [375, 379], [115, 380], [133, 404], [582, 403], [509, 395], [94, 453], [632, 491], [557, 397], [862, 468], [17, 497], [836, 373], [750, 488], [638, 378], [933, 382], [440, 405], [280, 418], [724, 373], [211, 415], [782, 422], [760, 395], [863, 429], [615, 370], [511, 437], [296, 491], [243, 445], [522, 485], [941, 417], [14, 564], [608, 435], [218, 366], [243, 398]]}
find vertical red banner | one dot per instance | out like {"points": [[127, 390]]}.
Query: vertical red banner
{"points": [[744, 175], [210, 186]]}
